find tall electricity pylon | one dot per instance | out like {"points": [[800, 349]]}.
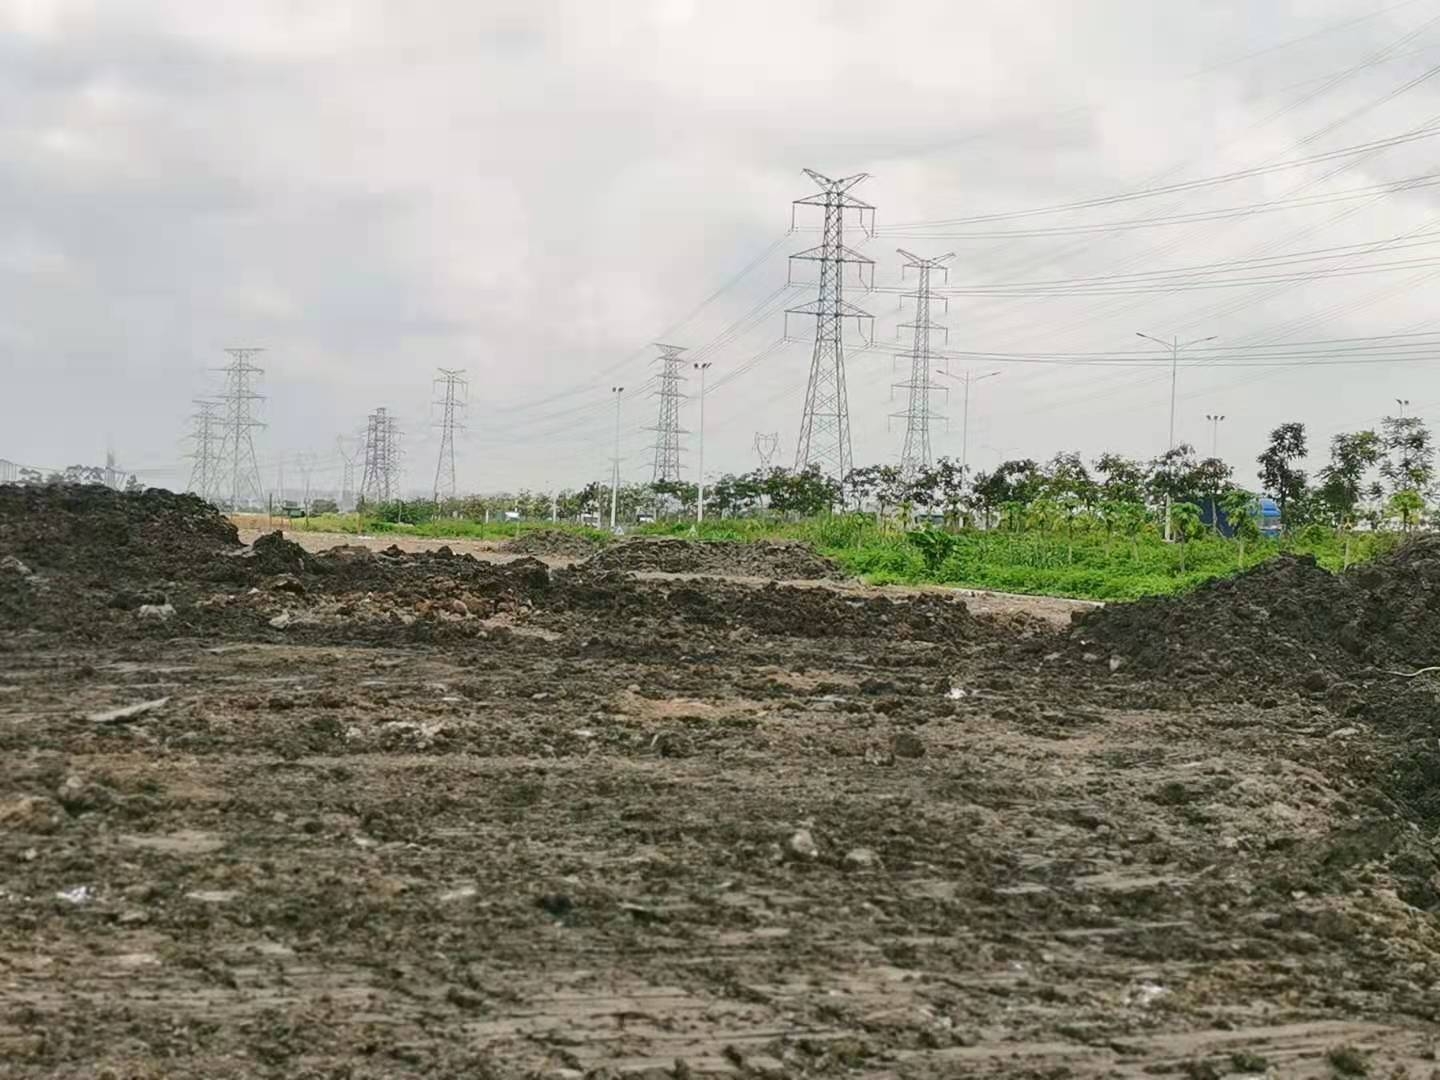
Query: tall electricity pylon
{"points": [[667, 427], [205, 473], [348, 456], [825, 426], [916, 453], [382, 457], [238, 444], [766, 446], [451, 402]]}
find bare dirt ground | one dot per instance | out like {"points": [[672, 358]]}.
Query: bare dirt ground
{"points": [[602, 826], [1053, 608]]}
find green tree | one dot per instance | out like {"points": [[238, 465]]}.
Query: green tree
{"points": [[1187, 524], [1284, 481], [1241, 509], [1407, 506], [1409, 464], [950, 489], [1127, 517], [1122, 479], [1342, 482]]}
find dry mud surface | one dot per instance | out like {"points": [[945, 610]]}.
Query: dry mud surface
{"points": [[586, 824]]}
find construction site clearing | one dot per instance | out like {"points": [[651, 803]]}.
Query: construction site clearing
{"points": [[673, 809]]}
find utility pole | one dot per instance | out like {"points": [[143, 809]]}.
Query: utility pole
{"points": [[825, 424], [1404, 404], [916, 453], [667, 425], [238, 445], [619, 392], [701, 367], [1175, 349], [456, 389], [765, 446], [205, 473], [1214, 419]]}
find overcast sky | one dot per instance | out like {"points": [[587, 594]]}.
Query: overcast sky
{"points": [[535, 191]]}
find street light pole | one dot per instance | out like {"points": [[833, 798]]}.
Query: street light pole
{"points": [[701, 367], [618, 391], [1174, 346], [1403, 403], [1214, 419], [968, 378]]}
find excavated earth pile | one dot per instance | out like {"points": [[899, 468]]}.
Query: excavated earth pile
{"points": [[377, 814], [776, 560], [551, 543]]}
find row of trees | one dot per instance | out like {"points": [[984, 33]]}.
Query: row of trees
{"points": [[1371, 476]]}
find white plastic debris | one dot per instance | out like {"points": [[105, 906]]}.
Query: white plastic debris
{"points": [[78, 894], [279, 622], [956, 694], [161, 612], [1145, 995], [128, 712]]}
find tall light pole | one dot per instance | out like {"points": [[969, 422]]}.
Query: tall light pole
{"points": [[1214, 419], [1174, 346], [618, 391], [1404, 404], [968, 378], [701, 367]]}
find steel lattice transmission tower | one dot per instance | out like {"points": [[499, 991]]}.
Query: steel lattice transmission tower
{"points": [[205, 473], [916, 453], [382, 457], [825, 425], [348, 456], [766, 446], [667, 427], [451, 403], [237, 448]]}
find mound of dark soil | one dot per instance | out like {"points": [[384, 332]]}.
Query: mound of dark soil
{"points": [[777, 560], [775, 610], [554, 543], [91, 529], [1286, 622], [77, 553]]}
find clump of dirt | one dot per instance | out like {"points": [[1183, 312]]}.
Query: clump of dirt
{"points": [[777, 560], [553, 543]]}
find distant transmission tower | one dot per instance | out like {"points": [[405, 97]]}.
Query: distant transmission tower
{"points": [[916, 454], [206, 437], [452, 401], [382, 457], [237, 451], [667, 427], [348, 457], [766, 446], [825, 426]]}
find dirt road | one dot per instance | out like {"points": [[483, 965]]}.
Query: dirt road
{"points": [[661, 828]]}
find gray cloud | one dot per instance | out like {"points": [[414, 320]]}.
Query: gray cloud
{"points": [[535, 191]]}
